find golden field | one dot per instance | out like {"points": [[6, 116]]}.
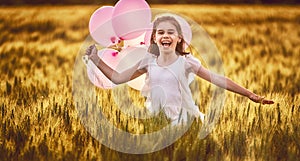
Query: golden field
{"points": [[259, 47]]}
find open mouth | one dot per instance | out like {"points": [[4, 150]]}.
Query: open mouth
{"points": [[166, 44]]}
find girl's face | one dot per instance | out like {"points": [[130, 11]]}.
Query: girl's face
{"points": [[166, 37]]}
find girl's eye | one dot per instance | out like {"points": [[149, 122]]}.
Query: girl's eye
{"points": [[160, 32]]}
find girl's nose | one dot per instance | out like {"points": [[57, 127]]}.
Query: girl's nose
{"points": [[166, 35]]}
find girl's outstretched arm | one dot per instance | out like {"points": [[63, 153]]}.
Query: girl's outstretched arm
{"points": [[228, 84], [110, 73]]}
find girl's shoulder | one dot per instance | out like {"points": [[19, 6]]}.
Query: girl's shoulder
{"points": [[191, 59], [146, 60], [191, 63], [149, 57]]}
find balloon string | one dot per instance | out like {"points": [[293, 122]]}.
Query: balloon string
{"points": [[117, 46]]}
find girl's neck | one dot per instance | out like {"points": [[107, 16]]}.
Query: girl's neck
{"points": [[166, 58]]}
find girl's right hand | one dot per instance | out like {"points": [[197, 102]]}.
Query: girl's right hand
{"points": [[91, 53], [91, 50]]}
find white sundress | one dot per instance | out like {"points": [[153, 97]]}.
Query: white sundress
{"points": [[167, 88]]}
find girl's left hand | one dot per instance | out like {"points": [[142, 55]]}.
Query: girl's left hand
{"points": [[259, 99]]}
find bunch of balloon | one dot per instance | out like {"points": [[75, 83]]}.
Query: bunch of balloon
{"points": [[127, 23]]}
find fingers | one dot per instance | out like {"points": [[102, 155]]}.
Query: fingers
{"points": [[90, 50], [260, 99], [267, 102]]}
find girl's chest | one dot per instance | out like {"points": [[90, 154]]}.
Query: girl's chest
{"points": [[165, 75]]}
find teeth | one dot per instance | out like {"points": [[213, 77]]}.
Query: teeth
{"points": [[166, 44]]}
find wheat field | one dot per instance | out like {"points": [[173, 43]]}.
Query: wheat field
{"points": [[259, 47]]}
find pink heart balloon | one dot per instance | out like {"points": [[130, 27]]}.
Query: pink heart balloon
{"points": [[100, 26], [131, 56], [119, 61], [112, 58], [135, 42], [148, 34], [143, 39], [130, 18]]}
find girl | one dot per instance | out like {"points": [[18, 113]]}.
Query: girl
{"points": [[167, 68]]}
